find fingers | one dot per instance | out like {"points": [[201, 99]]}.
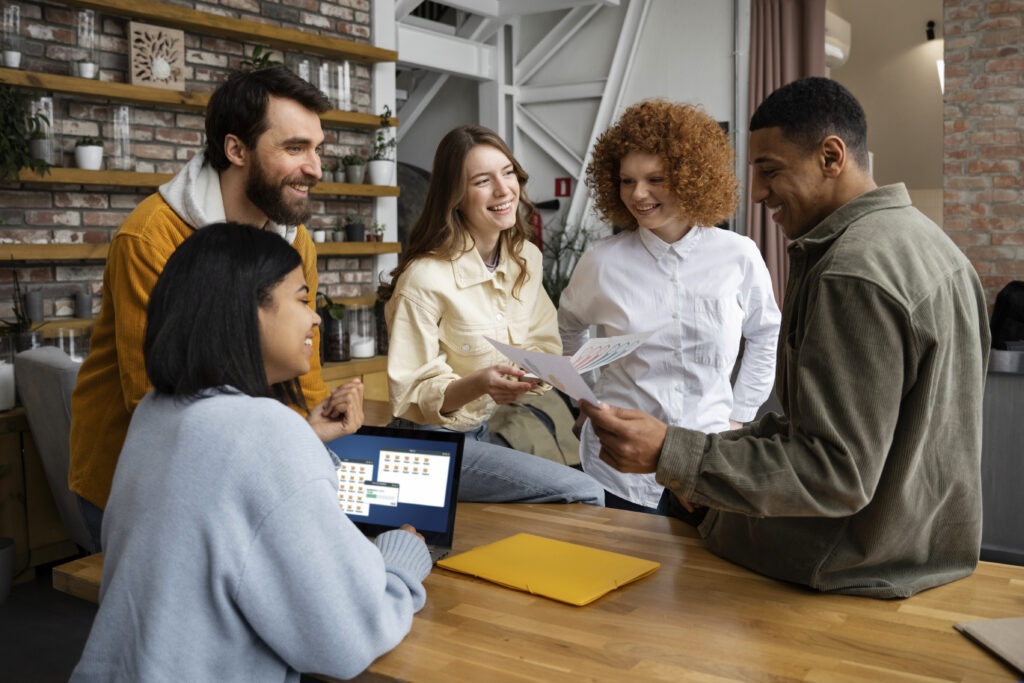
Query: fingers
{"points": [[682, 501]]}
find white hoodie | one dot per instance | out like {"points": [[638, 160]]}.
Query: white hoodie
{"points": [[194, 194]]}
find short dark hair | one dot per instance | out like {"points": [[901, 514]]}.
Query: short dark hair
{"points": [[202, 326], [239, 107], [811, 109]]}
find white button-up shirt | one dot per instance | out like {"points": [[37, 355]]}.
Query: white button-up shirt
{"points": [[702, 294]]}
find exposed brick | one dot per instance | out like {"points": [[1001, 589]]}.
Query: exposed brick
{"points": [[81, 236], [1011, 238], [184, 137], [244, 5], [24, 200], [52, 218], [344, 13], [80, 200], [1002, 166], [101, 218], [1007, 181], [310, 19]]}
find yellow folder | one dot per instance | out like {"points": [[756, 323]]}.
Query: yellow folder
{"points": [[562, 571]]}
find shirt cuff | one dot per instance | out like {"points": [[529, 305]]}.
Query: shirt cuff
{"points": [[742, 413], [679, 463]]}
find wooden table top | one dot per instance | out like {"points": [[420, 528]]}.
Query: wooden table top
{"points": [[697, 618]]}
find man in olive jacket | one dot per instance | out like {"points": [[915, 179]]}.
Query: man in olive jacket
{"points": [[870, 483]]}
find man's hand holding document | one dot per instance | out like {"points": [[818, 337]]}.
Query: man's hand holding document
{"points": [[563, 372]]}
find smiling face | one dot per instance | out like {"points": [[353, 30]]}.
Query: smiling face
{"points": [[491, 201], [286, 329], [644, 190], [285, 162], [792, 182]]}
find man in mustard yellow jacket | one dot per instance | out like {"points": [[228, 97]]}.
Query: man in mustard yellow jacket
{"points": [[261, 159]]}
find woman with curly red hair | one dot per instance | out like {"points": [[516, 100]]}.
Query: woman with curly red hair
{"points": [[663, 172]]}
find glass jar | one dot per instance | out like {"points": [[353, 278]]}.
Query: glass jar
{"points": [[335, 339], [362, 325]]}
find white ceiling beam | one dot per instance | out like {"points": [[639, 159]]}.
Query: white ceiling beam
{"points": [[424, 49], [622, 64], [512, 8], [534, 94], [548, 140], [551, 43], [404, 8], [487, 8], [418, 100]]}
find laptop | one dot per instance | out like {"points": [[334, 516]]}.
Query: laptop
{"points": [[389, 477]]}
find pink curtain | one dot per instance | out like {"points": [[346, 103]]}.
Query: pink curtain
{"points": [[787, 42]]}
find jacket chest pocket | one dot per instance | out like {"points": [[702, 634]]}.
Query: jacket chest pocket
{"points": [[718, 326], [464, 341]]}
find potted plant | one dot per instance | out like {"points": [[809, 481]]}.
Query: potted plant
{"points": [[334, 337], [326, 174], [339, 232], [89, 153], [17, 127], [20, 329], [375, 232], [261, 58], [319, 235], [87, 68], [355, 168], [382, 160], [355, 227]]}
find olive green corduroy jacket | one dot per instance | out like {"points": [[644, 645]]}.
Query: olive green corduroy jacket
{"points": [[870, 484]]}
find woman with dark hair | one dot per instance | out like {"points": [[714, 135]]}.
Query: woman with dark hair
{"points": [[226, 553], [662, 172], [469, 272]]}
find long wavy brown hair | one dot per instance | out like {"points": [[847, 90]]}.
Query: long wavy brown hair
{"points": [[441, 230], [696, 152]]}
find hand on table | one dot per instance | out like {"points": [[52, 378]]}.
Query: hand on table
{"points": [[631, 440], [340, 414]]}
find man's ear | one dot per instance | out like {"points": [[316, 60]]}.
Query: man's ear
{"points": [[236, 152], [833, 156]]}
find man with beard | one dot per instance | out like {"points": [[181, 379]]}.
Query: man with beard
{"points": [[263, 137]]}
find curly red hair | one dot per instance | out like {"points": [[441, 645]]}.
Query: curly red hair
{"points": [[695, 149]]}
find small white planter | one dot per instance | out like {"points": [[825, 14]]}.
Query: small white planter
{"points": [[319, 235], [381, 171], [89, 157], [87, 69], [12, 59]]}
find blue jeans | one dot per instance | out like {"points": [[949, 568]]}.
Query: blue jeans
{"points": [[93, 518], [495, 474]]}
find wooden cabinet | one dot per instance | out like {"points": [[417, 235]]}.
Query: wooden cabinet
{"points": [[27, 511]]}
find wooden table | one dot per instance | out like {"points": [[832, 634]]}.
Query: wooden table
{"points": [[697, 618]]}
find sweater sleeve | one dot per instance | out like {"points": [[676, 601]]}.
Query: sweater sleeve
{"points": [[848, 384], [134, 266], [320, 594], [761, 334]]}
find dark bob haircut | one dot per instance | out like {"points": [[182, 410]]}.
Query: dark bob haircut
{"points": [[202, 328], [811, 109], [239, 107]]}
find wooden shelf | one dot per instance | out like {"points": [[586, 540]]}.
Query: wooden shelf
{"points": [[359, 366], [98, 252], [77, 176], [246, 30], [144, 95]]}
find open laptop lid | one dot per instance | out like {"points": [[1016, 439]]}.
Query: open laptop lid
{"points": [[390, 477]]}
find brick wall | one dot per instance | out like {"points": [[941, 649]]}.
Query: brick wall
{"points": [[163, 139], [984, 137]]}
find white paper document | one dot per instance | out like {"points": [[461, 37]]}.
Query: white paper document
{"points": [[563, 372]]}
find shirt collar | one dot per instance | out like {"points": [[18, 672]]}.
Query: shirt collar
{"points": [[658, 247], [821, 236], [469, 268]]}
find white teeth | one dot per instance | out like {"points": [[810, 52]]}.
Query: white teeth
{"points": [[309, 342], [500, 207]]}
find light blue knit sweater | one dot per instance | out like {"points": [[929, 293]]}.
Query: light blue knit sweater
{"points": [[228, 558]]}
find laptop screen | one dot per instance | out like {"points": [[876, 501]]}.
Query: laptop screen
{"points": [[389, 477]]}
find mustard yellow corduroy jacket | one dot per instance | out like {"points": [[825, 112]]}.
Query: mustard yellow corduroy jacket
{"points": [[113, 377]]}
